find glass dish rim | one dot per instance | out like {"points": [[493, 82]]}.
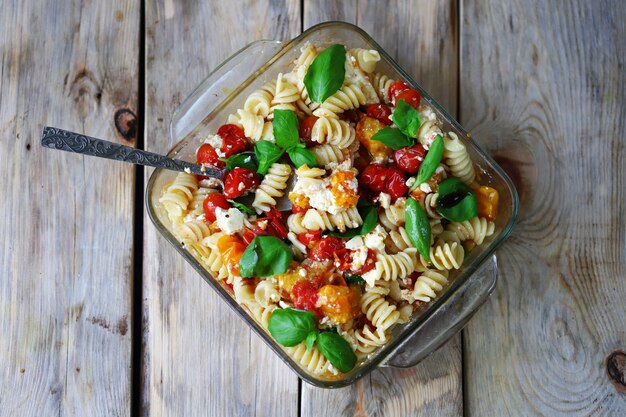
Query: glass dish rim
{"points": [[388, 349]]}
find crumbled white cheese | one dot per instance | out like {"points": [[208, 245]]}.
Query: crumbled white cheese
{"points": [[319, 192], [426, 187], [359, 257], [229, 221], [410, 182], [241, 186], [371, 276], [302, 272], [426, 113], [219, 153], [215, 141], [284, 304], [332, 369], [355, 243], [354, 75], [376, 239], [385, 200], [262, 224], [187, 170]]}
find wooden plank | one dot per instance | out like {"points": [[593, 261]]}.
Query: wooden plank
{"points": [[544, 92], [67, 221], [422, 36], [199, 357]]}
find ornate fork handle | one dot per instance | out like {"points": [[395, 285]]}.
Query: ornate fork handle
{"points": [[64, 140]]}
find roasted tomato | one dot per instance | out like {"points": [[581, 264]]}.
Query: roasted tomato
{"points": [[395, 88], [310, 237], [248, 234], [239, 181], [305, 130], [299, 202], [339, 303], [395, 185], [346, 261], [368, 265], [325, 248], [211, 202], [304, 296], [231, 249], [409, 160], [233, 139], [206, 155], [374, 177], [411, 96], [365, 129], [380, 112], [342, 183], [487, 202]]}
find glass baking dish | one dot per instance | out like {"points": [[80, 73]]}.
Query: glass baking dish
{"points": [[225, 89]]}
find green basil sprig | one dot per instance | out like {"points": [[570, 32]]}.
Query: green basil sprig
{"points": [[430, 163], [393, 138], [285, 126], [369, 214], [265, 256], [326, 73], [240, 160], [300, 155], [406, 118], [457, 202], [337, 350], [354, 279], [290, 326], [418, 227], [266, 153], [241, 207]]}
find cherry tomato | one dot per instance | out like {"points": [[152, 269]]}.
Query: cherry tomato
{"points": [[370, 263], [325, 248], [211, 202], [231, 249], [396, 184], [410, 159], [304, 296], [233, 139], [239, 181], [248, 234], [305, 130], [275, 227], [374, 177], [344, 261], [395, 88], [307, 238], [274, 213], [411, 96], [206, 155], [381, 112]]}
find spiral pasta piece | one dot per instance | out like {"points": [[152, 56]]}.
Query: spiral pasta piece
{"points": [[457, 158], [430, 204], [348, 97], [313, 360], [476, 229], [262, 314], [368, 340], [446, 256], [298, 248], [398, 240], [428, 284], [327, 154], [285, 96], [243, 289], [333, 131], [315, 219], [259, 102], [379, 311], [266, 293], [393, 216], [366, 59], [391, 267], [272, 187], [381, 84], [251, 123], [177, 196], [294, 223]]}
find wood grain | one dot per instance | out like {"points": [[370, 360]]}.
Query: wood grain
{"points": [[66, 221], [543, 87], [422, 37], [199, 357]]}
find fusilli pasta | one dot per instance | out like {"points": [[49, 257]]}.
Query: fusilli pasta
{"points": [[272, 187]]}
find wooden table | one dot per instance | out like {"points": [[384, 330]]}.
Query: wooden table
{"points": [[100, 317]]}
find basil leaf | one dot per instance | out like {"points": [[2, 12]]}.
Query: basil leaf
{"points": [[431, 161], [241, 207], [464, 209], [418, 227], [406, 118], [336, 350], [326, 73], [241, 160], [310, 339], [299, 155], [354, 279], [265, 256], [393, 138], [285, 125], [290, 326], [266, 153], [369, 214]]}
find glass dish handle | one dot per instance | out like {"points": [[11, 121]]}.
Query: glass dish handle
{"points": [[218, 85], [448, 320]]}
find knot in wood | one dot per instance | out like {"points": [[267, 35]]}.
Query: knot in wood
{"points": [[616, 369], [126, 124]]}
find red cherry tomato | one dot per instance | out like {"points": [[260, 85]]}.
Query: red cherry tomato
{"points": [[248, 235], [410, 159], [275, 227], [274, 213], [233, 139], [325, 248], [370, 263], [411, 96], [305, 130], [381, 112], [211, 202], [304, 296], [307, 238], [396, 184], [374, 177], [206, 155], [239, 181], [395, 88]]}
